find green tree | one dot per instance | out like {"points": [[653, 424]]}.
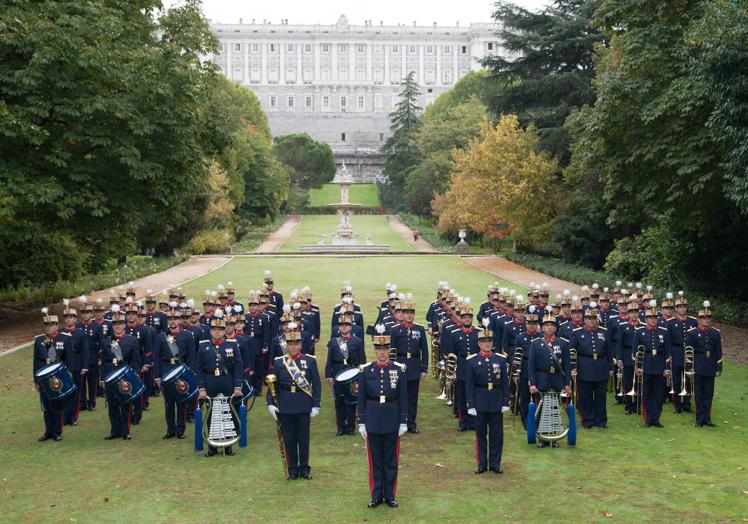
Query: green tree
{"points": [[103, 137], [549, 69], [311, 162], [444, 129], [401, 147]]}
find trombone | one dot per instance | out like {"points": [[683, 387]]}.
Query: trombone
{"points": [[688, 374], [573, 365], [514, 372], [450, 376], [636, 385]]}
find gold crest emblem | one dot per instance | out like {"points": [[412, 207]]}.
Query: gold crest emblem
{"points": [[124, 386], [181, 386], [55, 384]]}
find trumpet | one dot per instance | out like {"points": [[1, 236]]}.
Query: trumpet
{"points": [[270, 380]]}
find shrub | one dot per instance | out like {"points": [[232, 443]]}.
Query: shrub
{"points": [[44, 257], [210, 242]]}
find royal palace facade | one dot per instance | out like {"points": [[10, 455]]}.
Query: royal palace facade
{"points": [[338, 83]]}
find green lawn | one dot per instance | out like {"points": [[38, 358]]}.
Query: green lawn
{"points": [[312, 226], [679, 474], [364, 194]]}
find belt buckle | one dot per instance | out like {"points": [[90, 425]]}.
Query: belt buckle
{"points": [[708, 354], [114, 361], [217, 372], [490, 386], [594, 356], [552, 370], [173, 361], [49, 360], [381, 399], [407, 355], [293, 389], [654, 352]]}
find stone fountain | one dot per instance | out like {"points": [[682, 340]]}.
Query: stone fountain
{"points": [[345, 239]]}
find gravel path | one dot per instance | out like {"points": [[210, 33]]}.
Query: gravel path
{"points": [[275, 239], [420, 245], [21, 328]]}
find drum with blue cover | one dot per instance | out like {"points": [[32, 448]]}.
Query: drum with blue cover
{"points": [[181, 383], [57, 384], [346, 384], [124, 384]]}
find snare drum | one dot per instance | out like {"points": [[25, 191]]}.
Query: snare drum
{"points": [[56, 383], [181, 383], [346, 383], [124, 384]]}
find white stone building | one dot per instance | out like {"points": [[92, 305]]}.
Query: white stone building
{"points": [[339, 82]]}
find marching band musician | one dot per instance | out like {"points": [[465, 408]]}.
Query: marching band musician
{"points": [[409, 340], [343, 352], [145, 357], [51, 347], [219, 369], [706, 342], [463, 342], [487, 390], [383, 418], [176, 346], [679, 325], [521, 352], [625, 348], [656, 364], [78, 365], [121, 350], [549, 364], [594, 360], [299, 393], [95, 340], [257, 327]]}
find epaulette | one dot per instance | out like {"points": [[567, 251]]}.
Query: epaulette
{"points": [[276, 358], [577, 329], [603, 328], [662, 328], [502, 355], [563, 323], [362, 367], [65, 333], [471, 356], [401, 365], [230, 340], [717, 330], [669, 319], [419, 325], [696, 319], [639, 327], [534, 339], [454, 330], [691, 329], [564, 338], [311, 356], [510, 322]]}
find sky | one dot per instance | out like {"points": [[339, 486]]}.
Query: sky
{"points": [[392, 12]]}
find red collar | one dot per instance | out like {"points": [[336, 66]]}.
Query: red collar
{"points": [[218, 342], [682, 318], [297, 357], [704, 329], [485, 355], [406, 325], [55, 335], [382, 366], [176, 331], [128, 325], [467, 331], [588, 330], [576, 324], [120, 337], [346, 337], [239, 332], [633, 321], [549, 340], [649, 328]]}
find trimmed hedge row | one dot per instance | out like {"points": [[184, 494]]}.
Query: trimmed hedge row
{"points": [[724, 309], [327, 210]]}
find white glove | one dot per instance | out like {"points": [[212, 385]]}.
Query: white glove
{"points": [[314, 413], [473, 412], [273, 410], [505, 409], [362, 430], [402, 430]]}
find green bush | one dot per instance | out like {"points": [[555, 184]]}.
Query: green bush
{"points": [[210, 242], [252, 235], [27, 260]]}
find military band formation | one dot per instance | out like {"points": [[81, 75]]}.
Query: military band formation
{"points": [[529, 357]]}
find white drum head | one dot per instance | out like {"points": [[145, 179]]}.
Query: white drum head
{"points": [[347, 374]]}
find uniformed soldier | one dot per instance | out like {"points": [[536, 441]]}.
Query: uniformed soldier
{"points": [[152, 334], [521, 353], [486, 307], [383, 418], [499, 318], [95, 341], [274, 298], [219, 370], [50, 348], [576, 319], [549, 365], [706, 342], [299, 391], [231, 301], [626, 333], [153, 317], [258, 329], [145, 358], [121, 350], [310, 314], [344, 351], [463, 342], [409, 340], [487, 390], [679, 326], [175, 347], [654, 340], [78, 365], [208, 308], [594, 361]]}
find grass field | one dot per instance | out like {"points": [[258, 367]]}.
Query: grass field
{"points": [[678, 474], [312, 226], [364, 194]]}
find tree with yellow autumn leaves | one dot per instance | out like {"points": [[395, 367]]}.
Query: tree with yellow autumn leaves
{"points": [[501, 183]]}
